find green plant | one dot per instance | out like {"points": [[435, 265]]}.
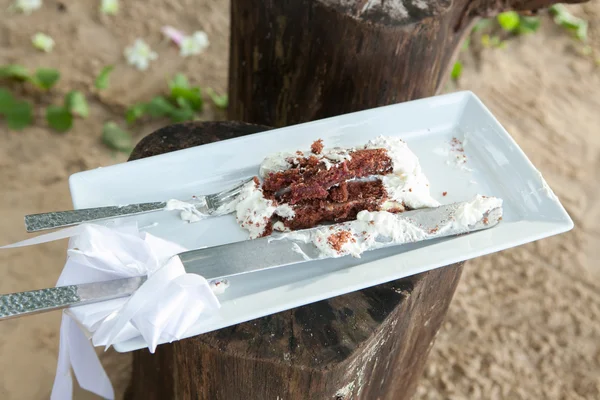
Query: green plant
{"points": [[60, 118], [116, 138], [43, 78], [75, 102], [220, 101], [182, 103], [11, 71], [512, 22], [570, 22], [456, 70], [17, 113], [103, 77]]}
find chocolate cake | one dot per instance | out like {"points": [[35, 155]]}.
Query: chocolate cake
{"points": [[301, 190]]}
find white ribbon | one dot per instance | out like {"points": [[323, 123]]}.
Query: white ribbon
{"points": [[161, 310]]}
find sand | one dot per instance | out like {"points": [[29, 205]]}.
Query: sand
{"points": [[524, 324]]}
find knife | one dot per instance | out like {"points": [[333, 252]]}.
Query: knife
{"points": [[220, 262]]}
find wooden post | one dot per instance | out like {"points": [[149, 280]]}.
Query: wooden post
{"points": [[293, 61]]}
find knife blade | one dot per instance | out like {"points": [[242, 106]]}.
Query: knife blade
{"points": [[220, 262], [224, 261]]}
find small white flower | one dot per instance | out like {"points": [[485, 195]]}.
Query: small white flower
{"points": [[140, 54], [194, 44], [110, 7], [42, 42], [27, 6]]}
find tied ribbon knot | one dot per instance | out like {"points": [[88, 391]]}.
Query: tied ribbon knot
{"points": [[162, 309]]}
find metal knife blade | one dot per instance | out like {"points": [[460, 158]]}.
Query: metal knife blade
{"points": [[220, 262]]}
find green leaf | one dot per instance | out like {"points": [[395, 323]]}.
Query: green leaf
{"points": [[13, 71], [6, 100], [179, 81], [570, 22], [528, 25], [103, 78], [159, 107], [220, 101], [116, 138], [135, 112], [509, 21], [581, 32], [59, 118], [182, 115], [75, 102], [18, 115], [456, 70], [183, 103], [192, 97], [45, 78]]}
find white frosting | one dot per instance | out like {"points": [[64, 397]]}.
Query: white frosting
{"points": [[282, 161], [471, 212], [275, 162], [189, 212], [219, 287], [253, 211], [336, 154], [372, 230], [279, 226], [407, 184], [285, 211]]}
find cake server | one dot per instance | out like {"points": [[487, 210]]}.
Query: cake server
{"points": [[207, 205], [220, 262]]}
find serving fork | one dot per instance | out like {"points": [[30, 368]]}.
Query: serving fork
{"points": [[210, 205]]}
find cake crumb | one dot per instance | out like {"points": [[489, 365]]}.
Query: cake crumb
{"points": [[337, 240], [317, 146], [444, 193]]}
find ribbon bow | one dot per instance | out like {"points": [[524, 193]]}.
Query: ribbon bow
{"points": [[167, 304]]}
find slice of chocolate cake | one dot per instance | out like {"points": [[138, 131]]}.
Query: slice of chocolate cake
{"points": [[301, 190]]}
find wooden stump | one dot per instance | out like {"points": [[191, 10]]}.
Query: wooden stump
{"points": [[293, 61]]}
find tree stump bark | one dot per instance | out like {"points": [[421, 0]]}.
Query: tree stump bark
{"points": [[292, 62]]}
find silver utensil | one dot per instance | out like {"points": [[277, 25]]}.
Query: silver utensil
{"points": [[208, 205], [221, 262]]}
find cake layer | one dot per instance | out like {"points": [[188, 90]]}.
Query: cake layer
{"points": [[310, 178], [343, 204], [304, 189]]}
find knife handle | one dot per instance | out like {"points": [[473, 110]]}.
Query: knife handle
{"points": [[59, 219], [37, 301]]}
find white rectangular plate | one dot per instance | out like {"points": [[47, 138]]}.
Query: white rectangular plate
{"points": [[496, 167]]}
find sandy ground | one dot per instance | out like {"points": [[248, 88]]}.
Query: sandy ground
{"points": [[524, 323]]}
